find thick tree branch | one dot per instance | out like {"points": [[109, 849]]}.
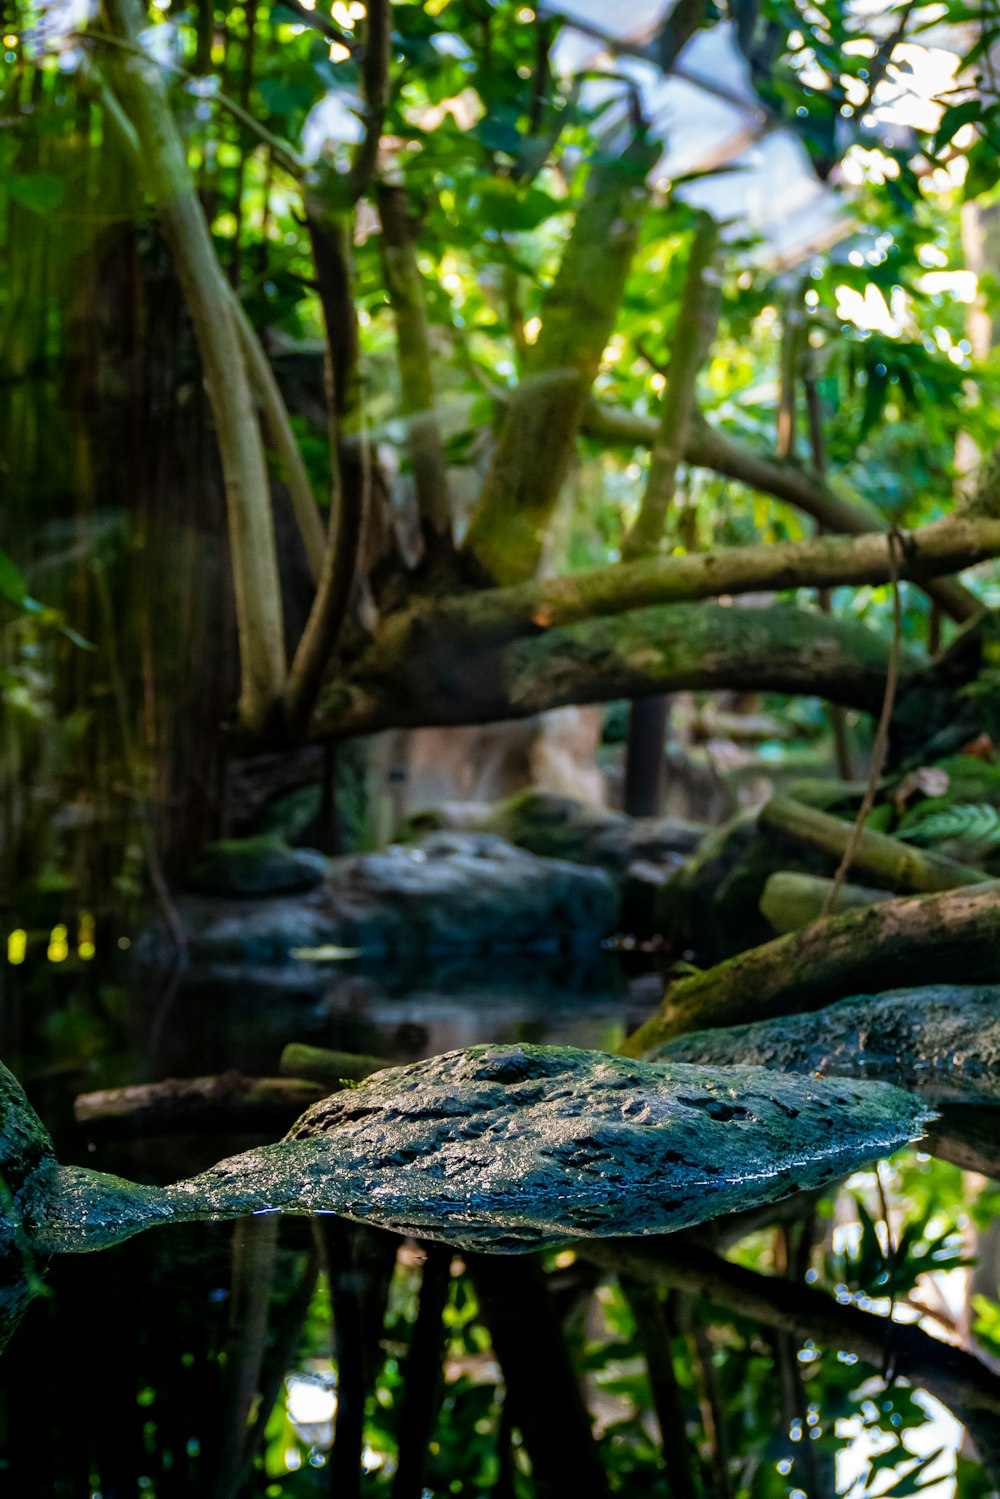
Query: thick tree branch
{"points": [[804, 488], [520, 491], [414, 673], [820, 562], [406, 297], [207, 295], [925, 939], [693, 335]]}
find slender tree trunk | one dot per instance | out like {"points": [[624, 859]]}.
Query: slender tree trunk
{"points": [[208, 298]]}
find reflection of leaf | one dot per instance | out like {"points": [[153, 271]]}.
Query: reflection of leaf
{"points": [[326, 954]]}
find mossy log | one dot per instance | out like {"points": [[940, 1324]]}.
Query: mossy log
{"points": [[225, 1102], [898, 864], [919, 939], [433, 665], [509, 1149], [940, 1041], [791, 900], [331, 1068]]}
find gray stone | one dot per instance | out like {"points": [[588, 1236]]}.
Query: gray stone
{"points": [[560, 827], [259, 866], [942, 1042], [448, 893], [511, 1148]]}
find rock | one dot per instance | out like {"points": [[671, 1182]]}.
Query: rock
{"points": [[514, 1148], [941, 1041], [560, 827], [639, 853], [259, 866], [447, 893]]}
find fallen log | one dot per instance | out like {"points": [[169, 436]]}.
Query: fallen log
{"points": [[225, 1103], [942, 1042], [921, 939], [331, 1068], [791, 900], [899, 864]]}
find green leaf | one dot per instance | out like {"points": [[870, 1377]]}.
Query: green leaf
{"points": [[12, 585], [41, 192], [284, 98], [954, 117], [984, 170]]}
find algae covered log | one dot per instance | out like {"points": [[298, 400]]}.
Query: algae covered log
{"points": [[511, 1148], [942, 1042], [900, 865], [923, 938]]}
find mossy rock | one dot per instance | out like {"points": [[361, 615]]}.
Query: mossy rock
{"points": [[264, 865]]}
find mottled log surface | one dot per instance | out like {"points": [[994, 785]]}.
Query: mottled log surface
{"points": [[942, 1042], [511, 1148]]}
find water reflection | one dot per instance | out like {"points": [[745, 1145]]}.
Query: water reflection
{"points": [[290, 1357]]}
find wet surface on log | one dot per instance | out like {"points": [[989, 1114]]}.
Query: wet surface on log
{"points": [[942, 1042], [510, 1148]]}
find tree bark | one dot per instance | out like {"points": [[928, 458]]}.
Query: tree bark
{"points": [[920, 940]]}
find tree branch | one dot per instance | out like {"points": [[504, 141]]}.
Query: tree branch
{"points": [[924, 939], [375, 76], [412, 674], [406, 297], [695, 326], [520, 491], [804, 488], [286, 448], [819, 562], [960, 1380]]}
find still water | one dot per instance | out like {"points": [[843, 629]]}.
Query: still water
{"points": [[284, 1356]]}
